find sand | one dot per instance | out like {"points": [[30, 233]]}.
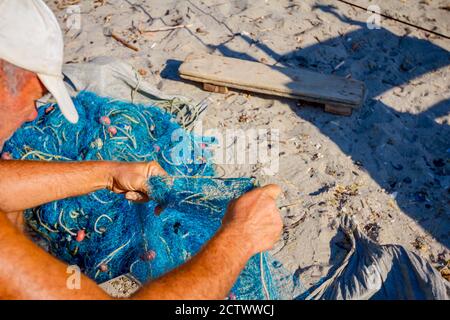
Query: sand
{"points": [[387, 164]]}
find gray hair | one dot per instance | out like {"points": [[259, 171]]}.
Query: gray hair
{"points": [[12, 77]]}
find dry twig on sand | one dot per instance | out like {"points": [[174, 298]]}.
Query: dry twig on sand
{"points": [[116, 37], [166, 28], [109, 33]]}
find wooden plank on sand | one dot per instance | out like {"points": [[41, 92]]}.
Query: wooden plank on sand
{"points": [[257, 77]]}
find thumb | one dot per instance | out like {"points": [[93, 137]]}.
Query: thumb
{"points": [[136, 196]]}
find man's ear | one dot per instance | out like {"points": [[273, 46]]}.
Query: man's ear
{"points": [[33, 88]]}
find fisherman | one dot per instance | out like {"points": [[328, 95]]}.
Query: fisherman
{"points": [[31, 57]]}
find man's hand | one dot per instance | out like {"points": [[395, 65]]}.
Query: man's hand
{"points": [[255, 218], [252, 224], [131, 179]]}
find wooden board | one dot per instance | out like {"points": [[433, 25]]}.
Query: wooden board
{"points": [[257, 77], [342, 111], [213, 88]]}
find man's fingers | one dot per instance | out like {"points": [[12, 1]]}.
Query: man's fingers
{"points": [[272, 190], [131, 196]]}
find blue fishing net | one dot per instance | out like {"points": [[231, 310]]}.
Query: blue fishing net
{"points": [[107, 235]]}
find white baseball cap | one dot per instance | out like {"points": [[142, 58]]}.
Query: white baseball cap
{"points": [[31, 38]]}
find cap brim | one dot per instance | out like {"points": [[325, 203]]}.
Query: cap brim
{"points": [[57, 88]]}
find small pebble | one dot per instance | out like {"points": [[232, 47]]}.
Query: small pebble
{"points": [[80, 235], [6, 156], [112, 130], [407, 64], [105, 120], [142, 72]]}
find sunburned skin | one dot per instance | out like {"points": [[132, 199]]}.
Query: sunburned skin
{"points": [[19, 89], [252, 223]]}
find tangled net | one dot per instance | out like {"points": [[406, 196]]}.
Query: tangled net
{"points": [[106, 235]]}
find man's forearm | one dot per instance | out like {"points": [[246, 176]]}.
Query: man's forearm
{"points": [[209, 275], [28, 272], [26, 184]]}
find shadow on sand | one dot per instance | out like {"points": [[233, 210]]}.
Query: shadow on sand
{"points": [[406, 154]]}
